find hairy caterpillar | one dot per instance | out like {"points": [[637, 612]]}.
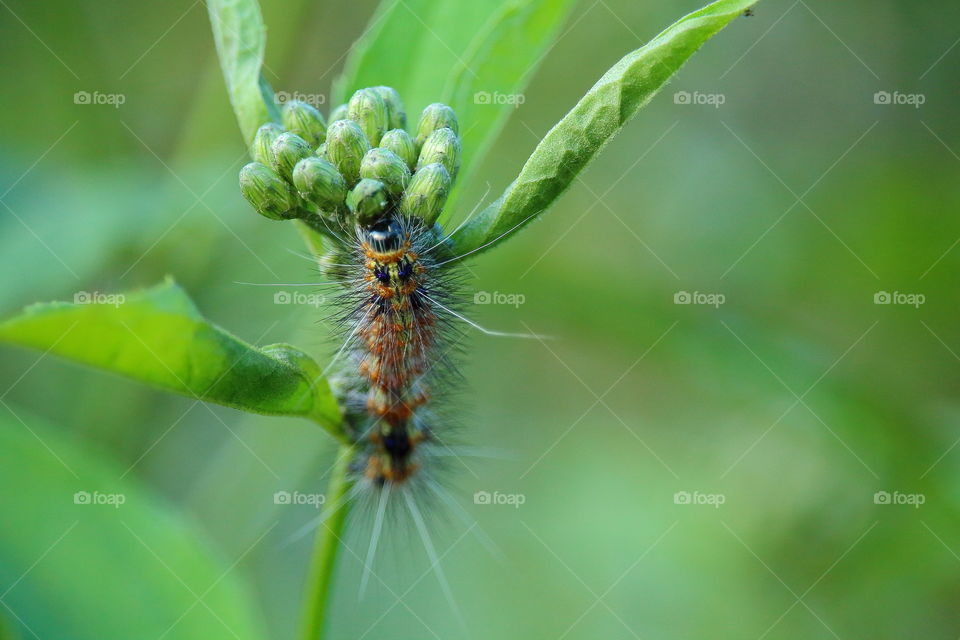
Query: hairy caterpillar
{"points": [[374, 192], [396, 309]]}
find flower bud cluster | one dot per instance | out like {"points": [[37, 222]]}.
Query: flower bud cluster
{"points": [[359, 169]]}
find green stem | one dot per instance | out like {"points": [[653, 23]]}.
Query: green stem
{"points": [[326, 546]]}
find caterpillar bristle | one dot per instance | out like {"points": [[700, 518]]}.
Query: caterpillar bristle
{"points": [[397, 343], [435, 559]]}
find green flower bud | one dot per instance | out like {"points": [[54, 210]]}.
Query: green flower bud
{"points": [[305, 121], [263, 142], [289, 149], [368, 109], [400, 142], [346, 146], [319, 182], [267, 192], [442, 146], [387, 167], [368, 201], [340, 113], [322, 151], [396, 114], [427, 193], [435, 116]]}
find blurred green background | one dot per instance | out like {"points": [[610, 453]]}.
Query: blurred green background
{"points": [[798, 200]]}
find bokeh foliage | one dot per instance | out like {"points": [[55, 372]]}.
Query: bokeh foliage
{"points": [[599, 274]]}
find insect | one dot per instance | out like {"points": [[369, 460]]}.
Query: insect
{"points": [[397, 308], [374, 192]]}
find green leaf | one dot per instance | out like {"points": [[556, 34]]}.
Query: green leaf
{"points": [[158, 336], [240, 37], [574, 141], [100, 569], [413, 46], [370, 65], [486, 85], [417, 47]]}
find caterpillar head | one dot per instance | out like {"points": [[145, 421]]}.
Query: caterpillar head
{"points": [[384, 236]]}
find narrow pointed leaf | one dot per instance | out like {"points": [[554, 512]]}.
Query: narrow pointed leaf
{"points": [[240, 36], [456, 53], [487, 86], [158, 336], [413, 46], [574, 141]]}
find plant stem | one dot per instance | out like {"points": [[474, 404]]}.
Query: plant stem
{"points": [[326, 546]]}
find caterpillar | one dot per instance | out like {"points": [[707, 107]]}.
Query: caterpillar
{"points": [[395, 308], [374, 192]]}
